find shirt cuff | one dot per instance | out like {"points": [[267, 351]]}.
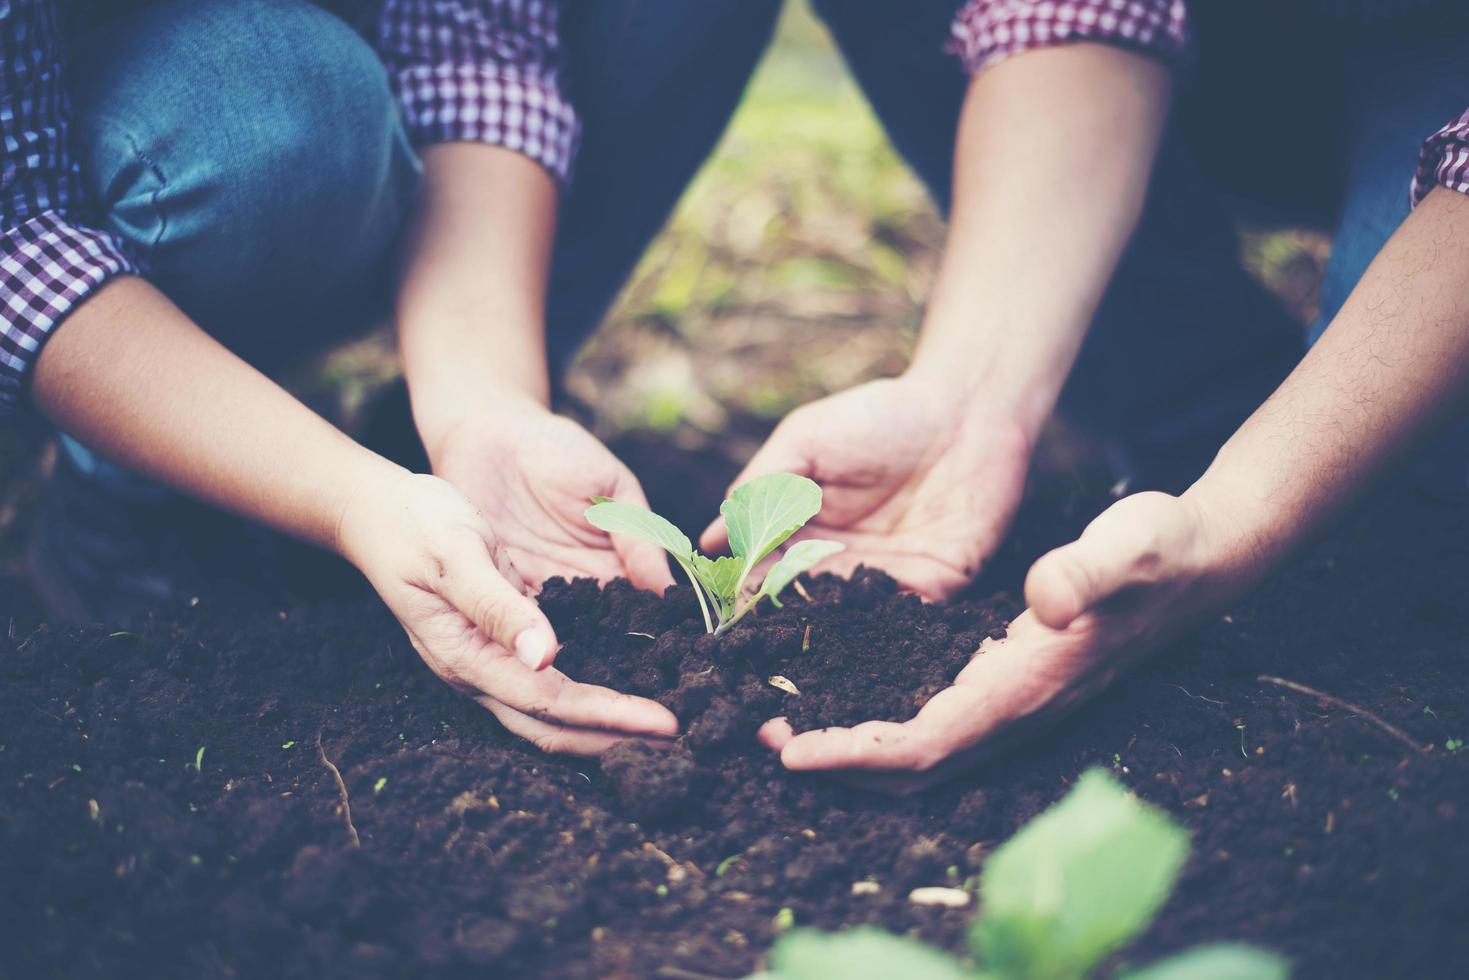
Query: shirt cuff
{"points": [[1444, 160], [47, 268], [485, 104], [986, 32]]}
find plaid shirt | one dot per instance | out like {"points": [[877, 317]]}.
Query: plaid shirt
{"points": [[477, 70]]}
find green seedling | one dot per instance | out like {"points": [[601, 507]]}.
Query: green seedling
{"points": [[761, 515], [1057, 901]]}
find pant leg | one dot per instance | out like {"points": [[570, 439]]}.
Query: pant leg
{"points": [[1185, 345], [655, 83], [250, 153]]}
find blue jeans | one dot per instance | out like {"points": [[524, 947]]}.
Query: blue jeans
{"points": [[250, 152]]}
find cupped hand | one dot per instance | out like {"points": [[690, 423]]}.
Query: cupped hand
{"points": [[915, 481], [1143, 571], [441, 570], [533, 474]]}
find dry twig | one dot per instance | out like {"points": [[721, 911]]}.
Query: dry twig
{"points": [[1357, 710], [341, 791]]}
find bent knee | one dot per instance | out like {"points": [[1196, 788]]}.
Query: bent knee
{"points": [[230, 105]]}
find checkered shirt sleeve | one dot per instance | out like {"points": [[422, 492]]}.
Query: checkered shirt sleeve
{"points": [[986, 32], [1444, 161], [49, 261], [484, 71]]}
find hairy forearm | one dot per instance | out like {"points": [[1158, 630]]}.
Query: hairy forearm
{"points": [[1053, 157], [471, 308], [131, 376], [1393, 365]]}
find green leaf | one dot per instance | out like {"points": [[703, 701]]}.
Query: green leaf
{"points": [[1077, 882], [1218, 961], [799, 557], [761, 514], [616, 518], [864, 953], [720, 576]]}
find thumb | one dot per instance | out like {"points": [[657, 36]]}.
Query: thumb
{"points": [[780, 454], [472, 584], [1076, 577]]}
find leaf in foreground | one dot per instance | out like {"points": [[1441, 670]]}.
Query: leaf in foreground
{"points": [[1222, 961], [1077, 882], [864, 953]]}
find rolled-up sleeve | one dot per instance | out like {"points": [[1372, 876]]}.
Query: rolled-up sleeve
{"points": [[1444, 160], [483, 71], [986, 32], [50, 261]]}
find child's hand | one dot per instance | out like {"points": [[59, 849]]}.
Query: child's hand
{"points": [[533, 473], [441, 570]]}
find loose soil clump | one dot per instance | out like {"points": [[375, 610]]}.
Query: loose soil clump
{"points": [[165, 810]]}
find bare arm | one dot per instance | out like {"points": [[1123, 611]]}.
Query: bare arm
{"points": [[471, 309], [1054, 155], [923, 473]]}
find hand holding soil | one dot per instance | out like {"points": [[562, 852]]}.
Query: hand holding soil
{"points": [[1144, 570], [532, 472], [447, 579], [914, 483]]}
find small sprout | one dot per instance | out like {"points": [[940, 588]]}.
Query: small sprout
{"points": [[1454, 744], [662, 891], [1429, 711], [289, 745], [1393, 794], [402, 737], [121, 634], [377, 787], [761, 516], [785, 919], [76, 767], [199, 759], [725, 865], [784, 684], [195, 860], [952, 871]]}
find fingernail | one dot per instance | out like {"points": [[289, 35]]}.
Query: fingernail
{"points": [[532, 647]]}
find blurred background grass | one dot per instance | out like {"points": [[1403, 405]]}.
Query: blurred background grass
{"points": [[797, 264]]}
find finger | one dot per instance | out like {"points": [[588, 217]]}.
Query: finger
{"points": [[646, 563], [557, 739], [1109, 556], [780, 454], [775, 733], [469, 579], [551, 696]]}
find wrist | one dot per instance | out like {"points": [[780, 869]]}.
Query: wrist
{"points": [[363, 490], [1243, 536], [450, 430], [974, 391]]}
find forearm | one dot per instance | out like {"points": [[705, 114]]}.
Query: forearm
{"points": [[471, 308], [1393, 365], [131, 376], [1054, 153]]}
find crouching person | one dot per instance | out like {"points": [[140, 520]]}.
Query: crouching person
{"points": [[194, 194]]}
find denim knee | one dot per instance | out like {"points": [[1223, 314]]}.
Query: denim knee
{"points": [[251, 152]]}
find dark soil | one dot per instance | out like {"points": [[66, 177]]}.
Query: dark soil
{"points": [[1315, 833]]}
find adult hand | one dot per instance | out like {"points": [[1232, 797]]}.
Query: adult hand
{"points": [[915, 480], [439, 567], [533, 473], [1148, 567]]}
